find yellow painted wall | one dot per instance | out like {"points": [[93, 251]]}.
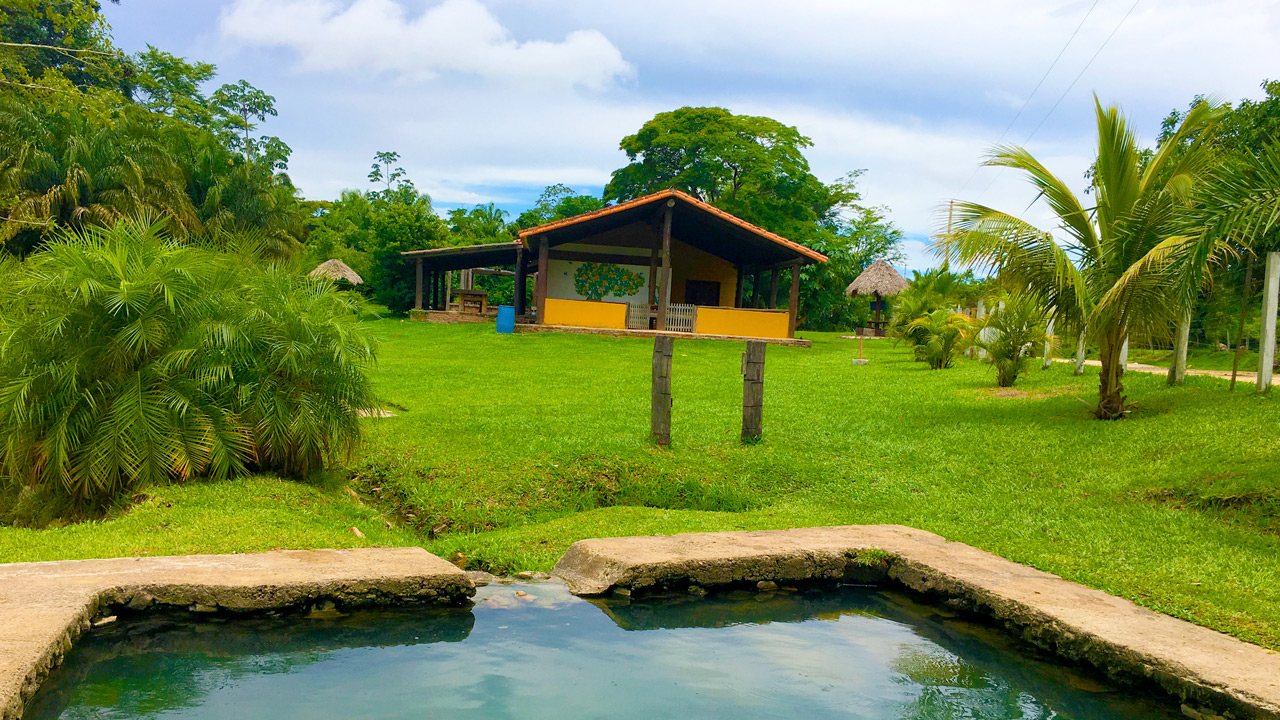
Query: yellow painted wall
{"points": [[585, 313], [690, 263], [752, 323]]}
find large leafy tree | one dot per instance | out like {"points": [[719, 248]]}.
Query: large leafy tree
{"points": [[1120, 265], [557, 202], [753, 167]]}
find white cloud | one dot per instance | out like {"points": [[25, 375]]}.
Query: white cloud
{"points": [[459, 36]]}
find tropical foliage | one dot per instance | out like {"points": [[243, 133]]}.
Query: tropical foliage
{"points": [[1124, 265], [129, 358], [938, 337], [1011, 335]]}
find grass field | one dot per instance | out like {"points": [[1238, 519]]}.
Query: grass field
{"points": [[506, 449]]}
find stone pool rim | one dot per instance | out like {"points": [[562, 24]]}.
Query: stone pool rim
{"points": [[44, 607], [1213, 674]]}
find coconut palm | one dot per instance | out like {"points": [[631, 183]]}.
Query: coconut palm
{"points": [[1012, 335], [1122, 265]]}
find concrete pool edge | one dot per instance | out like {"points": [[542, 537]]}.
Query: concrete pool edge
{"points": [[45, 606], [1213, 674]]}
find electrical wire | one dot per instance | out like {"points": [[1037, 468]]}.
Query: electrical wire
{"points": [[1036, 89]]}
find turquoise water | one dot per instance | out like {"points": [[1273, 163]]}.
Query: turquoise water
{"points": [[534, 652]]}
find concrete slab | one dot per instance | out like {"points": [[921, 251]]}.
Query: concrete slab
{"points": [[45, 606], [1212, 673]]}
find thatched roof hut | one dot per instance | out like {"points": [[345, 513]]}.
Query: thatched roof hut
{"points": [[879, 280], [335, 269]]}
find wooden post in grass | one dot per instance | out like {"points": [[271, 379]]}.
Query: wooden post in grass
{"points": [[1267, 333], [660, 397], [753, 391]]}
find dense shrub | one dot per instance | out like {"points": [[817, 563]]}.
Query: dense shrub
{"points": [[128, 358]]}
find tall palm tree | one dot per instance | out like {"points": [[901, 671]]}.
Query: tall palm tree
{"points": [[1118, 266]]}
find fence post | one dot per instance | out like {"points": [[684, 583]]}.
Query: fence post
{"points": [[1267, 334], [753, 391], [660, 398]]}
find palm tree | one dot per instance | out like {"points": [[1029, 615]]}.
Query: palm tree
{"points": [[1123, 265], [939, 337], [1012, 335]]}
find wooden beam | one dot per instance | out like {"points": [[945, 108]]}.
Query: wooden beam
{"points": [[737, 287], [664, 292], [522, 282], [540, 284], [793, 305], [598, 257], [417, 291], [660, 395], [773, 287], [753, 391]]}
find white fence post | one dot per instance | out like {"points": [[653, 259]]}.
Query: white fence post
{"points": [[1267, 334]]}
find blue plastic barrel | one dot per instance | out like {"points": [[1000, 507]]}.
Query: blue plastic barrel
{"points": [[506, 319]]}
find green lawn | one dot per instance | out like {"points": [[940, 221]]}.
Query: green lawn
{"points": [[506, 449]]}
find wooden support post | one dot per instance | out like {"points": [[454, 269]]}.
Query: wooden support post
{"points": [[793, 305], [653, 274], [417, 288], [773, 288], [1048, 341], [448, 285], [753, 391], [660, 397], [1267, 333], [1178, 368], [522, 282], [664, 292], [540, 284], [1082, 346], [737, 286]]}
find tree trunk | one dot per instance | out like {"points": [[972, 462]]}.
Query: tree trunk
{"points": [[1082, 347], [1111, 401], [1178, 368]]}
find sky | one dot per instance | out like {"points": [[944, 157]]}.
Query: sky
{"points": [[492, 100]]}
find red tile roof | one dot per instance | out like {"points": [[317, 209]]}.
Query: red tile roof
{"points": [[673, 193]]}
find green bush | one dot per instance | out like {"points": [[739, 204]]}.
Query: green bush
{"points": [[938, 337], [1012, 334], [128, 358]]}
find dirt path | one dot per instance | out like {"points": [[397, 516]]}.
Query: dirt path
{"points": [[1241, 376]]}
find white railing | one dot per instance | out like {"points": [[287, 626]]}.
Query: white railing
{"points": [[680, 317], [637, 316]]}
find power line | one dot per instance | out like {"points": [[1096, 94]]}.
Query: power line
{"points": [[1069, 87], [1036, 89], [1082, 71]]}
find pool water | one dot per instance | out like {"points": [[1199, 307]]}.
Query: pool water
{"points": [[533, 652]]}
